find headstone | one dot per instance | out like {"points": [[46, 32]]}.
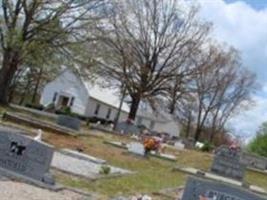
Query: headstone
{"points": [[189, 143], [227, 163], [202, 189], [25, 157], [136, 148], [69, 122], [127, 128], [179, 145], [254, 161]]}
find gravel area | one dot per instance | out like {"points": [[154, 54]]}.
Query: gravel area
{"points": [[81, 167], [10, 190]]}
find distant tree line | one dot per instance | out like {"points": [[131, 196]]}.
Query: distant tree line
{"points": [[158, 50]]}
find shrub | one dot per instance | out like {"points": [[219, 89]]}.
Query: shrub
{"points": [[105, 170], [35, 106], [207, 147], [50, 106], [259, 144], [66, 111]]}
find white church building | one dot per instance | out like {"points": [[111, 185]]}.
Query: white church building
{"points": [[92, 100]]}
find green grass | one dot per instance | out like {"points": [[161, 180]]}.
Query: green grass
{"points": [[257, 178]]}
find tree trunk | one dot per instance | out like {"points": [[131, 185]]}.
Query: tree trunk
{"points": [[172, 107], [11, 94], [37, 85], [134, 107], [117, 118], [212, 135], [9, 67], [213, 132], [197, 134], [188, 126], [25, 92]]}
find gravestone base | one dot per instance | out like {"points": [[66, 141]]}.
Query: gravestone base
{"points": [[9, 175], [135, 155]]}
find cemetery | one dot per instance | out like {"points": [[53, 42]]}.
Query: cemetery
{"points": [[133, 100], [105, 166]]}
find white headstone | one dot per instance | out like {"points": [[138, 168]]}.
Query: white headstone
{"points": [[136, 148], [179, 145]]}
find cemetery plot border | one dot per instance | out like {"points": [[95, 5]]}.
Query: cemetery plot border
{"points": [[18, 118], [116, 144], [85, 168], [121, 145]]}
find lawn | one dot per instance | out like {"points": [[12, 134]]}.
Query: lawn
{"points": [[151, 175]]}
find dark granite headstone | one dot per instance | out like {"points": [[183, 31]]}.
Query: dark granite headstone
{"points": [[202, 189], [227, 163], [69, 122], [25, 157]]}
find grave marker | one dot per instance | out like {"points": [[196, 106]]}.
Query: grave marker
{"points": [[227, 163], [202, 189], [254, 161], [69, 122], [136, 148], [25, 157]]}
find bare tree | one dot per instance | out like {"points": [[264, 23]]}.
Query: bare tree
{"points": [[222, 87], [146, 43], [38, 29], [234, 97]]}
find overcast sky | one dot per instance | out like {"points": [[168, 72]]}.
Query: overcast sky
{"points": [[243, 24]]}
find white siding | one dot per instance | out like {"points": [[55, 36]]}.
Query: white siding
{"points": [[69, 85], [103, 110]]}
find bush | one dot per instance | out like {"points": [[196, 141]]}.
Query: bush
{"points": [[35, 106], [98, 119], [51, 106], [207, 147], [66, 111], [105, 170], [259, 144]]}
